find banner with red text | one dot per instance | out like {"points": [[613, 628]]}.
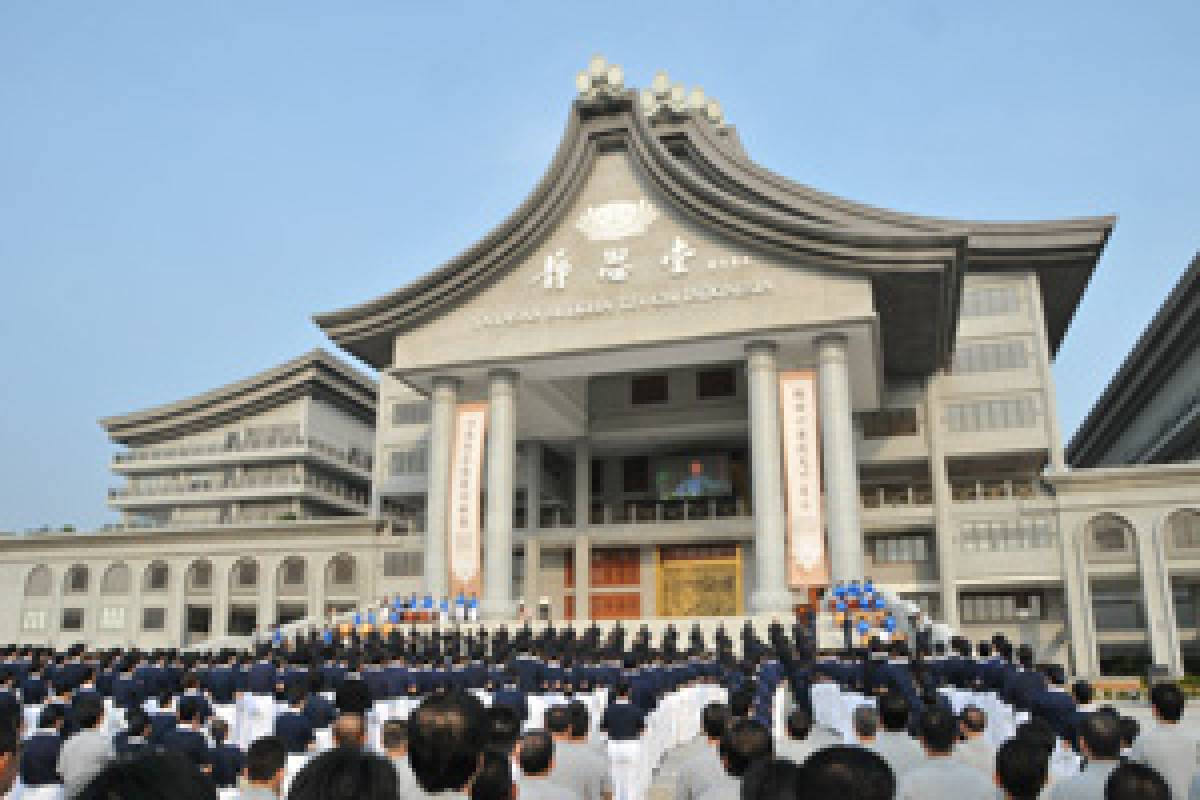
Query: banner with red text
{"points": [[465, 541], [807, 562]]}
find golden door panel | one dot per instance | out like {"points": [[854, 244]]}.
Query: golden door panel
{"points": [[700, 588]]}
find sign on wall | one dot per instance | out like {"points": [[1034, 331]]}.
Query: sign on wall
{"points": [[807, 563], [470, 428]]}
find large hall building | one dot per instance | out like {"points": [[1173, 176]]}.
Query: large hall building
{"points": [[672, 383]]}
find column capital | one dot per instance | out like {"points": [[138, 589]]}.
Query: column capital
{"points": [[758, 346], [831, 347], [503, 374]]}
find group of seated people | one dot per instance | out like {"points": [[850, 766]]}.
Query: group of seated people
{"points": [[518, 718]]}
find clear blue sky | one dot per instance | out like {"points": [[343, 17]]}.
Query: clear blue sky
{"points": [[183, 184]]}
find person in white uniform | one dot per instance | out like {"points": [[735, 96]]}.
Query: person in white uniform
{"points": [[941, 775], [1100, 744], [1165, 746]]}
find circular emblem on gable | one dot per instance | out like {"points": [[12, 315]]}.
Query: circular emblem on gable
{"points": [[617, 220]]}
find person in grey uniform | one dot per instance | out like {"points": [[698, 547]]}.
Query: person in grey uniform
{"points": [[893, 744], [536, 757], [394, 737], [575, 767], [746, 742], [265, 762], [803, 737], [1100, 745], [1022, 768], [941, 775], [1134, 781], [1165, 745], [974, 748], [704, 767], [865, 721]]}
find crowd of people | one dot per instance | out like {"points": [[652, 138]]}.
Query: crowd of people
{"points": [[496, 715]]}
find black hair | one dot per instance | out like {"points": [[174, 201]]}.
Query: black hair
{"points": [[799, 723], [1083, 692], [714, 719], [136, 721], [974, 719], [771, 779], [938, 729], [494, 781], [581, 719], [1021, 767], [10, 728], [353, 697], [89, 709], [844, 771], [1102, 734], [740, 703], [537, 752], [152, 775], [893, 712], [1168, 701], [265, 757], [743, 743], [218, 729], [503, 728], [1129, 730], [1038, 731], [1134, 781], [558, 719], [394, 733], [346, 773], [446, 735], [51, 715]]}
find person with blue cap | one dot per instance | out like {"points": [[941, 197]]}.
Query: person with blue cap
{"points": [[473, 608], [444, 610]]}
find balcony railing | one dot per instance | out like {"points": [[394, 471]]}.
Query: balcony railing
{"points": [[642, 512], [991, 489], [896, 495], [142, 455], [247, 482]]}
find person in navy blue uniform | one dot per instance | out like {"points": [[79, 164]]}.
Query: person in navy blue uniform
{"points": [[39, 753], [228, 761], [186, 737], [622, 719], [292, 726], [135, 738]]}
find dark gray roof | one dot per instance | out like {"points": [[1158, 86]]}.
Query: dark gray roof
{"points": [[316, 373], [915, 263], [1172, 335]]}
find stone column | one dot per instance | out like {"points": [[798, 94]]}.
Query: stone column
{"points": [[133, 613], [1157, 597], [268, 578], [770, 550], [501, 452], [219, 592], [176, 603], [533, 485], [437, 498], [314, 574], [583, 483], [583, 577], [533, 568], [1077, 592], [943, 502], [837, 456]]}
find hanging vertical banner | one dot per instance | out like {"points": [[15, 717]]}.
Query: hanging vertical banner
{"points": [[807, 564], [470, 427]]}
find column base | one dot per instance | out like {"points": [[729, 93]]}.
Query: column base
{"points": [[771, 602], [498, 615]]}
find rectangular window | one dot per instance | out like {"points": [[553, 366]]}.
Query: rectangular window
{"points": [[156, 578], [991, 415], [154, 618], [202, 575], [112, 618], [410, 413], [888, 422], [72, 619], [1007, 535], [716, 383], [293, 572], [636, 474], [986, 301], [647, 390], [247, 573], [900, 549], [403, 564], [413, 460], [34, 621], [597, 476], [975, 357]]}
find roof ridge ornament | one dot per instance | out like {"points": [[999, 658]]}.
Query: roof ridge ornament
{"points": [[600, 81], [665, 100]]}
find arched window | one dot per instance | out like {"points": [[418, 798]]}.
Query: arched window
{"points": [[244, 575], [77, 579], [1109, 535], [157, 577], [1185, 529], [292, 575], [39, 581], [343, 571], [199, 577], [115, 580]]}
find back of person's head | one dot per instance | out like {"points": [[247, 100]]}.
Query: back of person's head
{"points": [[558, 719], [1168, 701], [714, 719], [265, 757], [494, 781], [446, 735], [136, 721], [1101, 735], [536, 753], [744, 742], [89, 710], [893, 712], [353, 697], [771, 779], [297, 694], [345, 773], [581, 720], [349, 730], [188, 710], [1039, 732], [1083, 692], [1021, 768], [218, 729], [1134, 781], [394, 734], [866, 722], [974, 719], [938, 729], [740, 703], [152, 775], [845, 772], [1129, 730], [51, 716], [799, 723], [503, 728]]}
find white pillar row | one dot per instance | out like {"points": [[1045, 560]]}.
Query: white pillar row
{"points": [[176, 603], [1165, 648], [837, 457], [944, 538], [268, 578], [533, 484], [771, 594], [219, 592], [1077, 592], [583, 482], [501, 457], [533, 569], [437, 499]]}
